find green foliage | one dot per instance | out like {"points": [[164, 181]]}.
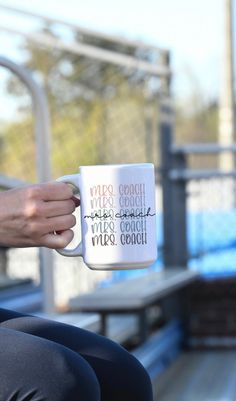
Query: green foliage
{"points": [[96, 109], [18, 150], [75, 139], [199, 126]]}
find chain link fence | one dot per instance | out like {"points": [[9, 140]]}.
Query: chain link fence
{"points": [[17, 142], [211, 225]]}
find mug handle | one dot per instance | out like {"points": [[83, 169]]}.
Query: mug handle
{"points": [[73, 180]]}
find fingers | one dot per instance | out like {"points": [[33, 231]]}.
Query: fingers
{"points": [[76, 201], [49, 209], [58, 224], [29, 215], [58, 241], [59, 208], [57, 191], [51, 191]]}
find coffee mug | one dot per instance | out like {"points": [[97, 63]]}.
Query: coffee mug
{"points": [[118, 216]]}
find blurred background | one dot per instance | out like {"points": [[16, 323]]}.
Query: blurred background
{"points": [[126, 82], [102, 109]]}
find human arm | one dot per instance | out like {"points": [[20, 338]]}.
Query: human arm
{"points": [[30, 216]]}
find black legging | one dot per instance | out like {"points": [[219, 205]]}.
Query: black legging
{"points": [[43, 360]]}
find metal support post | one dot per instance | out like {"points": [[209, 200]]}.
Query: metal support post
{"points": [[174, 194], [179, 214]]}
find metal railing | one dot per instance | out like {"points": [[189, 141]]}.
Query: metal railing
{"points": [[180, 185], [42, 137]]}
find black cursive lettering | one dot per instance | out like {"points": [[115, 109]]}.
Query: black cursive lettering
{"points": [[120, 216], [98, 216]]}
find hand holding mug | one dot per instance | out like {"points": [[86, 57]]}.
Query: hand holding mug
{"points": [[118, 217]]}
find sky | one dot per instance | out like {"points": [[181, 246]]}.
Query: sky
{"points": [[191, 29]]}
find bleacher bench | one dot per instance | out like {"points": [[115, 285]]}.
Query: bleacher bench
{"points": [[134, 296]]}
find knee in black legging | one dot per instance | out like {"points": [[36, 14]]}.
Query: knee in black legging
{"points": [[73, 375], [139, 380], [135, 378], [123, 378], [47, 371]]}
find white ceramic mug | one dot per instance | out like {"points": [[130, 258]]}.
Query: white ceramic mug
{"points": [[118, 216]]}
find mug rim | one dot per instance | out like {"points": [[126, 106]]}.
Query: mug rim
{"points": [[119, 166]]}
